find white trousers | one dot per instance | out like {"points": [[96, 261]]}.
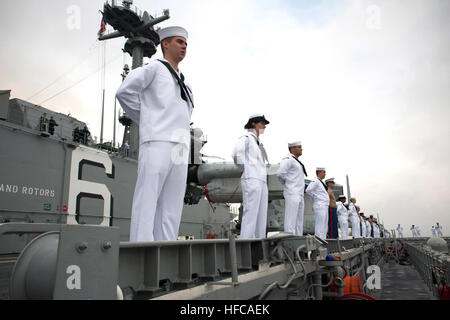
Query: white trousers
{"points": [[356, 231], [293, 214], [363, 229], [159, 195], [321, 220], [255, 200], [343, 224], [439, 233]]}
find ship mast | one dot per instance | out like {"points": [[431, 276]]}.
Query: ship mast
{"points": [[142, 40]]}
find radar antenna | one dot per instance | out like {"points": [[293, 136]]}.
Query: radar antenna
{"points": [[142, 39]]}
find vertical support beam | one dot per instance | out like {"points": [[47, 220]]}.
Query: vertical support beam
{"points": [[363, 268], [138, 57], [349, 195], [246, 256], [317, 280], [138, 60], [210, 261], [151, 267], [233, 260], [185, 264], [103, 116], [114, 123]]}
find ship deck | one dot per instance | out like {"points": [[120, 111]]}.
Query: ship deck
{"points": [[409, 280], [402, 282]]}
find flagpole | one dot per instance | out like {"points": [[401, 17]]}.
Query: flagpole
{"points": [[103, 86], [348, 190]]}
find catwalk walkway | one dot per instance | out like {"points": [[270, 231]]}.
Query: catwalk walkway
{"points": [[402, 282]]}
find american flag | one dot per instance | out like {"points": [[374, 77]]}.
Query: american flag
{"points": [[102, 28]]}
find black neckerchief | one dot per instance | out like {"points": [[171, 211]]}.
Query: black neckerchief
{"points": [[323, 185], [257, 140], [304, 170], [183, 89]]}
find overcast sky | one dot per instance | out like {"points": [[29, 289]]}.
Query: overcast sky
{"points": [[363, 84]]}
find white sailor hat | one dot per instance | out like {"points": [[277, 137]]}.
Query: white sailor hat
{"points": [[320, 169], [352, 198], [294, 144], [257, 117], [172, 32], [341, 196], [329, 180]]}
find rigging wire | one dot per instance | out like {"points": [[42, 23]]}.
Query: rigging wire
{"points": [[91, 50], [85, 78]]}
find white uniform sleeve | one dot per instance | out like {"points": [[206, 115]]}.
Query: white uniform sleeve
{"points": [[310, 190], [283, 171], [130, 91], [238, 154], [343, 210]]}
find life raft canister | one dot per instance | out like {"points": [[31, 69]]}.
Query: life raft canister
{"points": [[353, 284]]}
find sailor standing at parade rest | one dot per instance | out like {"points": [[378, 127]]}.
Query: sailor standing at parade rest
{"points": [[376, 229], [433, 231], [354, 219], [292, 174], [368, 228], [439, 230], [400, 231], [157, 98], [362, 224], [342, 214], [413, 231], [318, 194], [250, 156], [359, 220]]}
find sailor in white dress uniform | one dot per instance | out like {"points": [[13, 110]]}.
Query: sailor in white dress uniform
{"points": [[250, 156], [438, 230], [362, 224], [154, 98], [376, 229], [400, 231], [354, 219], [413, 231], [342, 213], [433, 231], [292, 174], [318, 194], [368, 228]]}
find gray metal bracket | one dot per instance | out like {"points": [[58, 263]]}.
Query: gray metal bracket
{"points": [[76, 262]]}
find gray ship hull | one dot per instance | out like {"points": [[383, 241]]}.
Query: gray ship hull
{"points": [[46, 180]]}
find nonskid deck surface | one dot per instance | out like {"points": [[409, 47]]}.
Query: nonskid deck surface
{"points": [[402, 282]]}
